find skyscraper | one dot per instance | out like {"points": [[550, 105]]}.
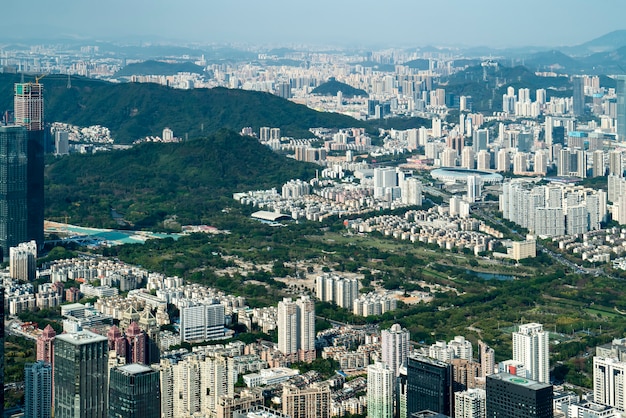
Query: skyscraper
{"points": [[429, 385], [38, 390], [578, 95], [13, 188], [395, 347], [135, 344], [29, 112], [312, 401], [530, 347], [380, 383], [514, 397], [296, 328], [23, 261], [134, 392], [45, 351], [621, 107], [1, 351], [80, 375]]}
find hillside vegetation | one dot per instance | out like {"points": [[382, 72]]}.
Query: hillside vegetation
{"points": [[133, 110], [193, 180]]}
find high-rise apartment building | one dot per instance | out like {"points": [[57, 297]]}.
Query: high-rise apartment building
{"points": [[578, 96], [296, 328], [429, 385], [487, 359], [310, 402], [395, 347], [200, 322], [45, 345], [531, 347], [515, 397], [609, 382], [29, 112], [38, 390], [13, 188], [380, 384], [23, 261], [80, 375], [134, 392], [336, 289], [61, 143], [470, 404]]}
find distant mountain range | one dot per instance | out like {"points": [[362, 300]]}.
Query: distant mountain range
{"points": [[152, 67]]}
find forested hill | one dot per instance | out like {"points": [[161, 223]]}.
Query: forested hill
{"points": [[193, 180], [133, 110]]}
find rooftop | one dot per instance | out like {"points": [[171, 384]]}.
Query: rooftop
{"points": [[135, 368], [81, 337]]}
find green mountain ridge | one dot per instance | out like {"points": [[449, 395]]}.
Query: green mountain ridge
{"points": [[193, 180], [332, 86], [133, 110]]}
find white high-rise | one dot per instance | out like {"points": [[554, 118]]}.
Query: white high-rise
{"points": [[609, 382], [296, 328], [470, 404], [380, 383], [395, 347], [531, 347]]}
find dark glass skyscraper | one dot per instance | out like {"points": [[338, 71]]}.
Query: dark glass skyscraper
{"points": [[429, 385], [29, 112], [13, 188], [38, 390], [134, 392], [513, 397], [80, 375], [620, 91]]}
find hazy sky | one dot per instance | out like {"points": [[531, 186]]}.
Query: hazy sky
{"points": [[495, 23]]}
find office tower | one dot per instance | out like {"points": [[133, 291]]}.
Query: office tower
{"points": [[480, 139], [310, 402], [296, 328], [80, 375], [514, 397], [37, 390], [474, 188], [395, 344], [199, 322], [429, 385], [470, 404], [609, 382], [380, 384], [23, 261], [62, 145], [13, 188], [487, 359], [134, 392], [578, 96], [29, 112], [530, 347], [1, 351]]}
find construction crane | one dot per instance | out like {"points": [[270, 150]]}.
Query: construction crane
{"points": [[37, 78]]}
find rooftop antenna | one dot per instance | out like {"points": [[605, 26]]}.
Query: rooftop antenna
{"points": [[69, 81], [22, 79]]}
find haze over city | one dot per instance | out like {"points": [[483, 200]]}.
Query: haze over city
{"points": [[358, 23]]}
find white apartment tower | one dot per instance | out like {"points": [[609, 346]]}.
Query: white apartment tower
{"points": [[296, 328], [470, 404], [23, 261], [395, 347], [380, 383], [530, 347], [609, 382]]}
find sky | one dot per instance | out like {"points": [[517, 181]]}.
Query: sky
{"points": [[359, 23]]}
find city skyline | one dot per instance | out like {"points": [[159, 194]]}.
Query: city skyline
{"points": [[349, 23]]}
